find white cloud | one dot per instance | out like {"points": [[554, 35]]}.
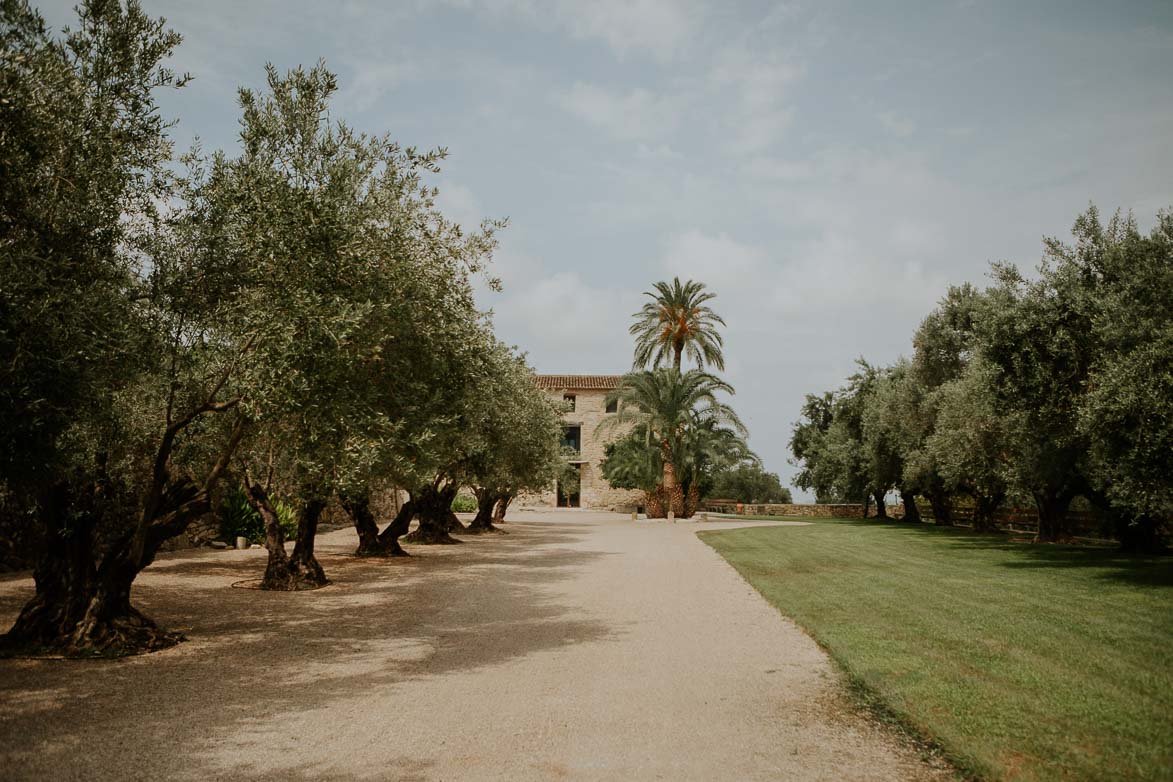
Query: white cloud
{"points": [[635, 114], [719, 261], [896, 124], [568, 324], [368, 81], [757, 84], [657, 28], [458, 203]]}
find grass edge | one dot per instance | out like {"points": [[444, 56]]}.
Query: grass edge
{"points": [[865, 697]]}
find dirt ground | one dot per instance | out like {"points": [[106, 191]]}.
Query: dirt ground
{"points": [[579, 646]]}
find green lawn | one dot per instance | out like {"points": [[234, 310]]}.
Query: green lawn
{"points": [[1022, 662]]}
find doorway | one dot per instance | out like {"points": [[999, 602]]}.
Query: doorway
{"points": [[570, 487]]}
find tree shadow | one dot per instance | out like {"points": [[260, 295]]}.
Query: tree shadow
{"points": [[256, 661], [1150, 570]]}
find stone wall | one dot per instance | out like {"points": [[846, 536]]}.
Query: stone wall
{"points": [[594, 491], [804, 511]]}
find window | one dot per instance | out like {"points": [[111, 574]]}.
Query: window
{"points": [[569, 399], [613, 406], [572, 438]]}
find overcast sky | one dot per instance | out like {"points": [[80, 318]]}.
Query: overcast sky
{"points": [[827, 168]]}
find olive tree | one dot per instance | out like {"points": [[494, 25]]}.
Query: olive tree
{"points": [[1123, 280], [120, 408], [520, 441], [342, 241], [970, 442]]}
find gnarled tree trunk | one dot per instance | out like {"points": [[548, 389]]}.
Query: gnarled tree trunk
{"points": [[82, 601], [307, 572], [501, 508], [487, 501], [435, 516], [984, 508], [82, 604], [942, 508], [911, 511], [279, 575], [398, 527], [1052, 506], [881, 505], [358, 506]]}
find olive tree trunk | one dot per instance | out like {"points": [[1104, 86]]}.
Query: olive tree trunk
{"points": [[81, 606], [942, 508], [1052, 507], [306, 569], [911, 511], [435, 516], [279, 576], [985, 507], [500, 509], [487, 501]]}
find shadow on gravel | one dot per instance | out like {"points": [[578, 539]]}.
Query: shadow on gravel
{"points": [[253, 657]]}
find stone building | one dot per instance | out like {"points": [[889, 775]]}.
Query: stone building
{"points": [[585, 398]]}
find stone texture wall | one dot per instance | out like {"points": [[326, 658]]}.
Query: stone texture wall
{"points": [[805, 511], [589, 411]]}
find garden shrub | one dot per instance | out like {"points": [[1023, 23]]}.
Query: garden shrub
{"points": [[464, 503], [239, 519]]}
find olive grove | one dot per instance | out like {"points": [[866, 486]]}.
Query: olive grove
{"points": [[294, 318], [1044, 388]]}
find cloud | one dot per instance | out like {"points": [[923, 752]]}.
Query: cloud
{"points": [[756, 84], [568, 324], [369, 80], [634, 114], [719, 261], [896, 124], [659, 29], [458, 203]]}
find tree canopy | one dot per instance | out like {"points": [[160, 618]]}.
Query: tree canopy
{"points": [[1046, 387]]}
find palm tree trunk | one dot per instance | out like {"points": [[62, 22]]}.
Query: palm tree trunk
{"points": [[671, 491]]}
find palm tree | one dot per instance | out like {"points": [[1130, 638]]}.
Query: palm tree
{"points": [[667, 405], [704, 448], [675, 322]]}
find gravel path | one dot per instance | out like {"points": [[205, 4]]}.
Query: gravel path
{"points": [[580, 646]]}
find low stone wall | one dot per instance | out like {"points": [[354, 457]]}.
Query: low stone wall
{"points": [[808, 511]]}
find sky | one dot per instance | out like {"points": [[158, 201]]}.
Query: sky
{"points": [[826, 168]]}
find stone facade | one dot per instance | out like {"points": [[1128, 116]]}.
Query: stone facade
{"points": [[590, 394]]}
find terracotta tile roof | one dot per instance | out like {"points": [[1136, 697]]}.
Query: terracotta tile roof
{"points": [[580, 382]]}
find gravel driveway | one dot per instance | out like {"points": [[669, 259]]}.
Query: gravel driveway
{"points": [[580, 646]]}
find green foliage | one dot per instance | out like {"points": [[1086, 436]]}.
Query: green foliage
{"points": [[239, 518], [678, 423], [1051, 387], [747, 482], [464, 503], [630, 463], [677, 322], [82, 155], [829, 441]]}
